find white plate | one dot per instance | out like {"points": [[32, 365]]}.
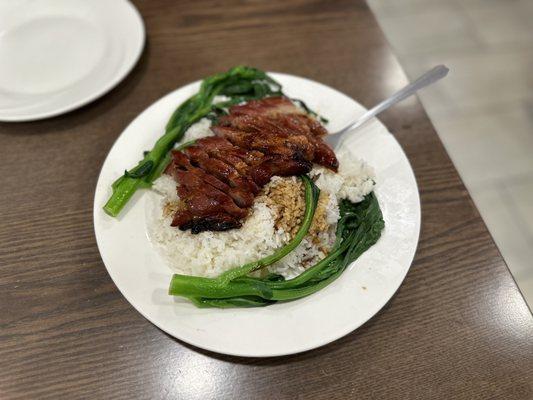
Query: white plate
{"points": [[57, 55], [360, 292]]}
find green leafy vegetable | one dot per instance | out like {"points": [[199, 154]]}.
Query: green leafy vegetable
{"points": [[140, 171], [359, 227], [191, 286], [164, 163], [239, 83]]}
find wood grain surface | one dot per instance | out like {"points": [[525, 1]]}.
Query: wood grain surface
{"points": [[458, 328]]}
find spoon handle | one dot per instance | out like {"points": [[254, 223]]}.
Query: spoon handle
{"points": [[428, 78]]}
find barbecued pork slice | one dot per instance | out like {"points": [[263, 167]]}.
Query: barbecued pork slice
{"points": [[272, 132], [278, 166], [191, 185], [219, 176], [219, 144], [241, 196], [220, 169], [250, 157], [267, 144], [276, 126], [267, 106], [205, 208], [218, 222], [229, 158]]}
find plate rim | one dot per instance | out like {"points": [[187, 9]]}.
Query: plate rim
{"points": [[103, 90], [339, 335]]}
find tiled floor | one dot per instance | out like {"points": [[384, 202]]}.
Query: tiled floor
{"points": [[483, 110]]}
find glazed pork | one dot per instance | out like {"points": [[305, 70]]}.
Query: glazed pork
{"points": [[219, 176]]}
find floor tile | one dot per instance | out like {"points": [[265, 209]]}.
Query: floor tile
{"points": [[483, 110], [425, 31], [405, 7], [496, 23], [484, 4], [526, 287], [481, 78], [436, 100], [509, 234], [489, 147], [521, 193]]}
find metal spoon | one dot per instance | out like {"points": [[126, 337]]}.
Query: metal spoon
{"points": [[435, 74]]}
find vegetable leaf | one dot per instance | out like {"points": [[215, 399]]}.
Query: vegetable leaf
{"points": [[359, 227]]}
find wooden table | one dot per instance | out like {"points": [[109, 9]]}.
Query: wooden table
{"points": [[458, 328]]}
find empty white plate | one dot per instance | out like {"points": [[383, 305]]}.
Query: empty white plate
{"points": [[283, 328], [57, 55]]}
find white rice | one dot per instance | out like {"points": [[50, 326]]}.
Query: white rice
{"points": [[198, 130], [211, 253]]}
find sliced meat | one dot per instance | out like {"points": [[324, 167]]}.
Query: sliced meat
{"points": [[219, 176], [267, 106], [241, 197], [231, 159], [236, 137], [279, 167], [221, 145], [220, 169], [272, 145], [203, 213], [278, 133], [214, 143], [191, 186], [302, 124], [324, 155], [219, 222]]}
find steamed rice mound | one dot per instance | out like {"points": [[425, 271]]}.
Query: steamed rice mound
{"points": [[274, 219]]}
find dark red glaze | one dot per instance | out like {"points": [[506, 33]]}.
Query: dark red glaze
{"points": [[219, 176]]}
